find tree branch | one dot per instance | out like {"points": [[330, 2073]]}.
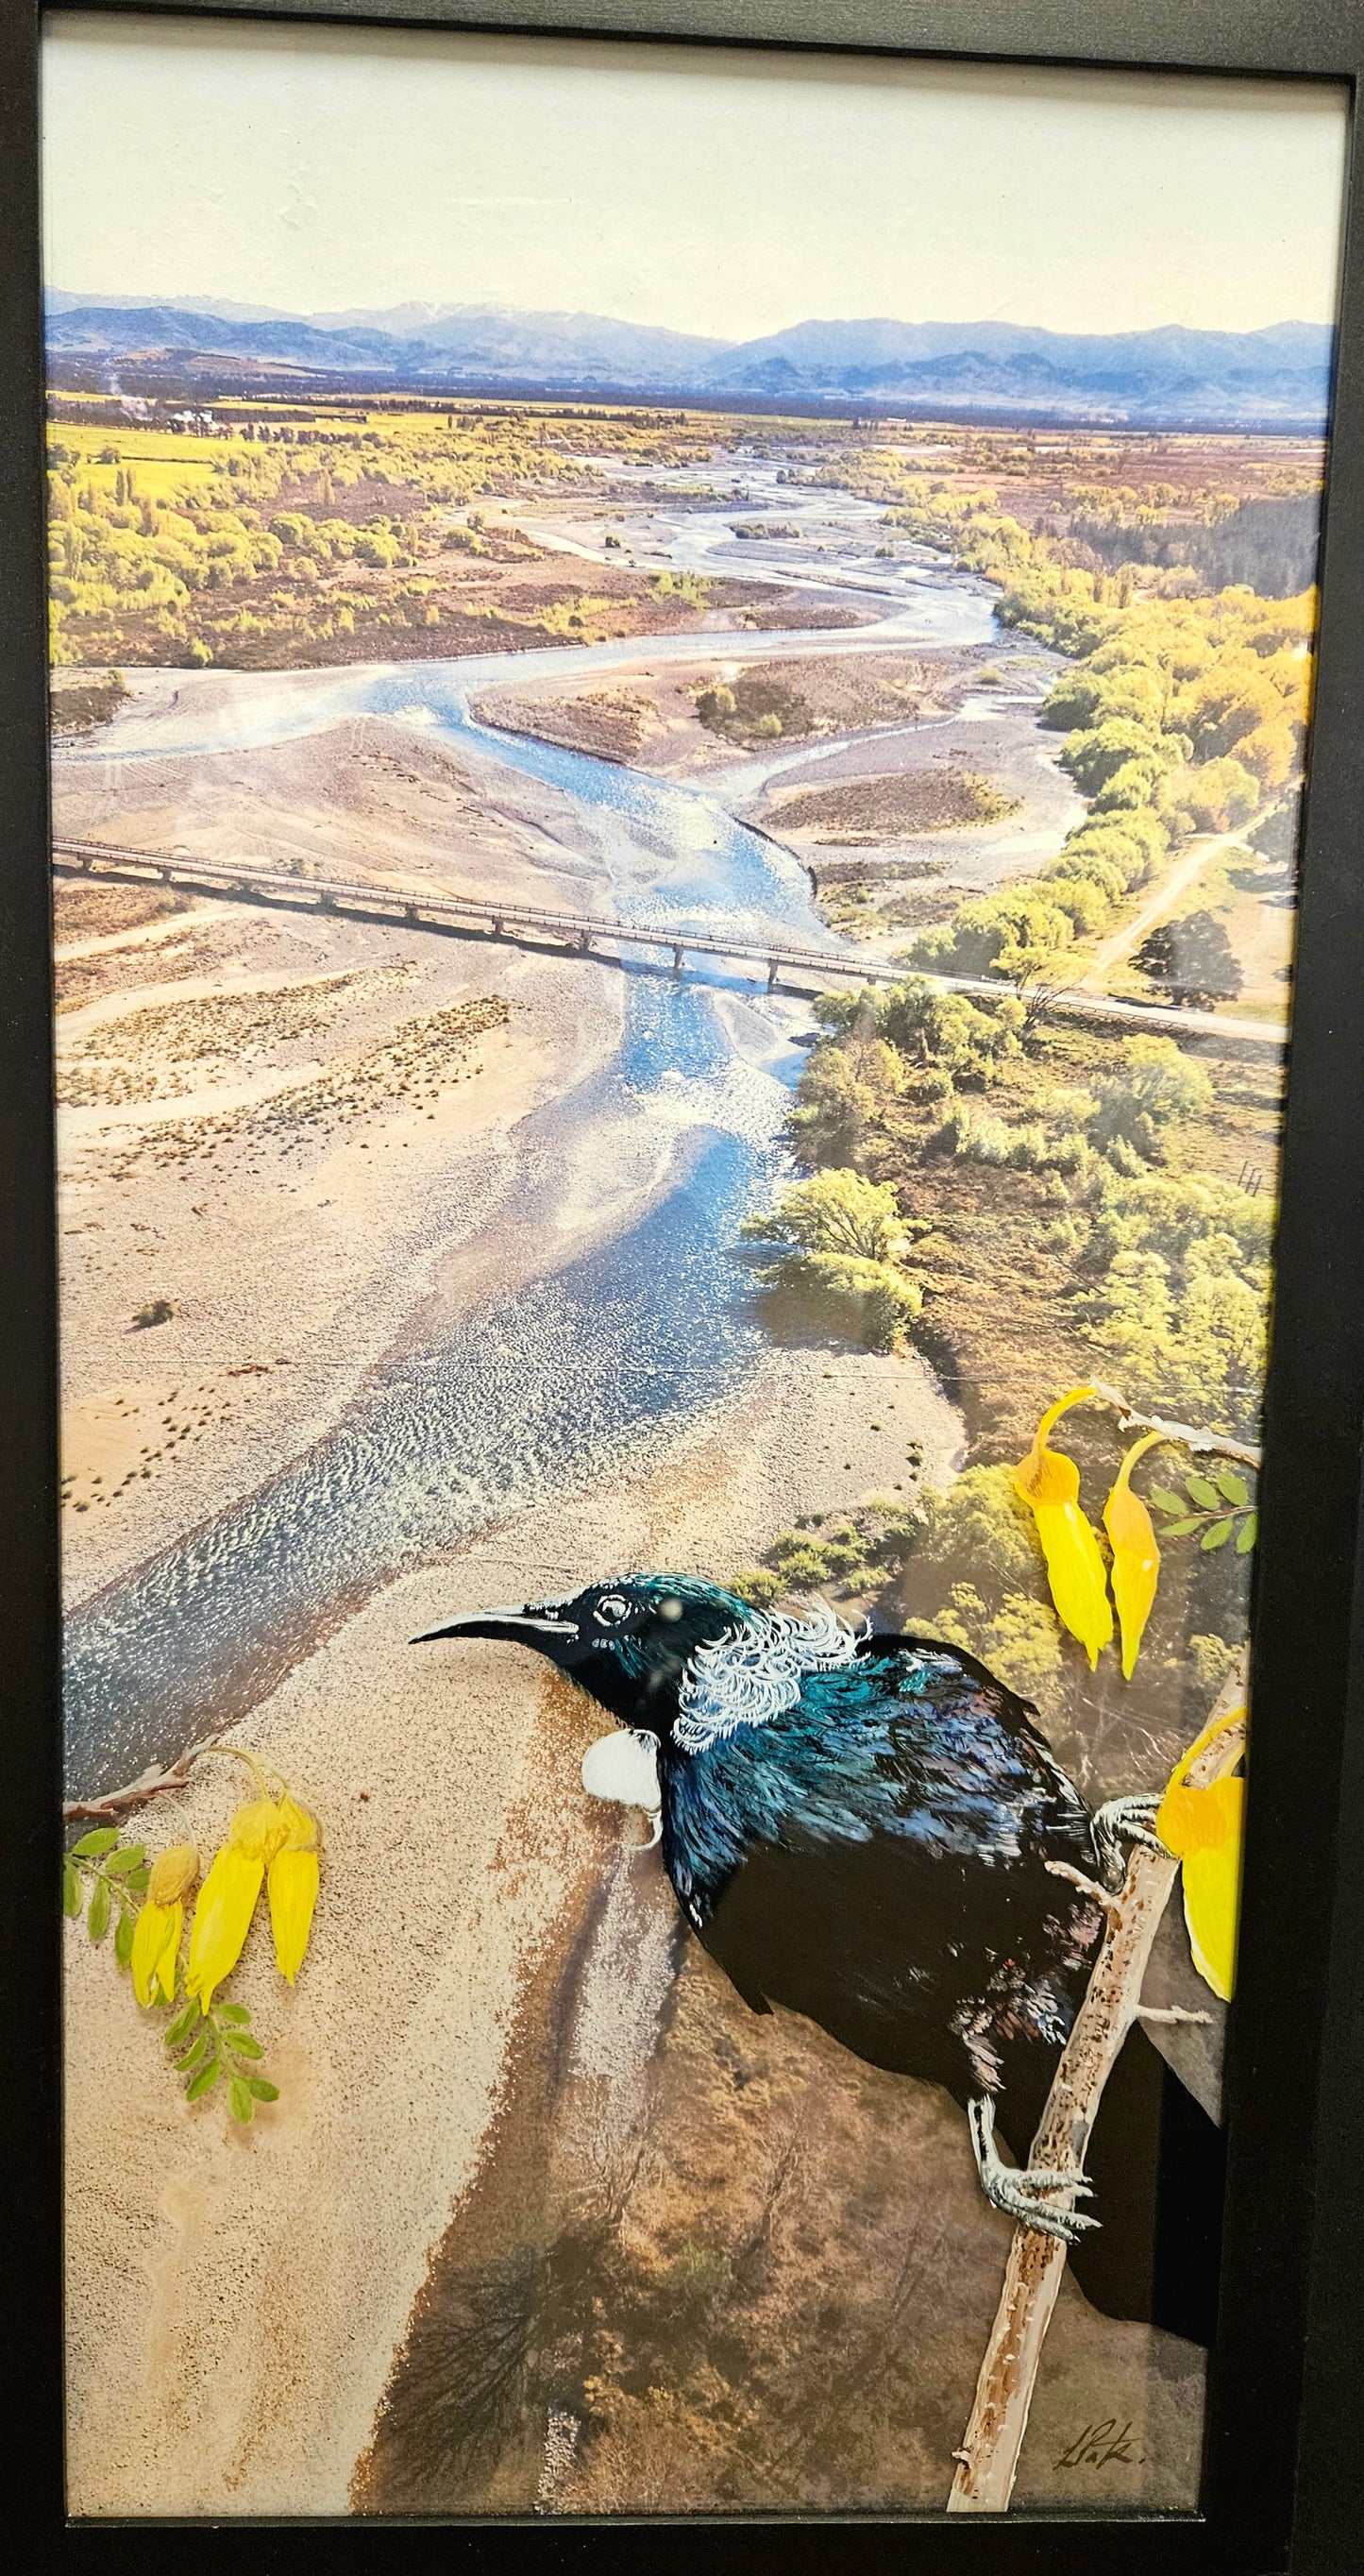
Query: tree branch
{"points": [[987, 2462], [151, 1783], [1202, 1444]]}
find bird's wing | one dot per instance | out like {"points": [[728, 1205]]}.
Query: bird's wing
{"points": [[910, 1740]]}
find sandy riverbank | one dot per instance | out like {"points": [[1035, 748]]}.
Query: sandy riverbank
{"points": [[281, 1127]]}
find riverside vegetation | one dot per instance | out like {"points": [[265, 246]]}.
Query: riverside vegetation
{"points": [[1036, 1206], [1185, 712], [277, 538], [952, 1145]]}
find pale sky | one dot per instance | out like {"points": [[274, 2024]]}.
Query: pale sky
{"points": [[729, 193]]}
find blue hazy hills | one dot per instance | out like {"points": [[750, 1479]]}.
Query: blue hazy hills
{"points": [[1278, 377]]}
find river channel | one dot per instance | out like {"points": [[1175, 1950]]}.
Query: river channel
{"points": [[572, 1376]]}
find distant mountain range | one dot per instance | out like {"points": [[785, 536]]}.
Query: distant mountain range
{"points": [[1275, 378]]}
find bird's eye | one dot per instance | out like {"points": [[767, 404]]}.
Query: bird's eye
{"points": [[612, 1610]]}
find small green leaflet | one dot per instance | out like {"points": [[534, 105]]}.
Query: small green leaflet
{"points": [[182, 2025], [1200, 1491], [1180, 1529], [98, 1919], [242, 2044], [204, 2081], [131, 1856], [123, 1939], [233, 2013], [1246, 1535], [1231, 1486], [1217, 1535], [91, 1845], [239, 2100], [264, 2091], [71, 1889], [1165, 1501]]}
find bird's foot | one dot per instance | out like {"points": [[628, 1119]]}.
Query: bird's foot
{"points": [[1121, 1821], [1104, 1897], [1029, 2194]]}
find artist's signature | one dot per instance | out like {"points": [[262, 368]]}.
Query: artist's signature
{"points": [[1100, 2444]]}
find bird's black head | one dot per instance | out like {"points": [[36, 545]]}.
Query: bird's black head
{"points": [[628, 1641]]}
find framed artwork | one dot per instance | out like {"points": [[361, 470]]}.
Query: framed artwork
{"points": [[683, 952]]}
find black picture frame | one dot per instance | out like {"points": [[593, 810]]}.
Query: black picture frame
{"points": [[1284, 2467]]}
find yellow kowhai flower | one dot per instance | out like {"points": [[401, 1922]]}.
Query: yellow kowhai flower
{"points": [[293, 1876], [227, 1899], [1136, 1557], [160, 1924], [1203, 1828], [1050, 1483]]}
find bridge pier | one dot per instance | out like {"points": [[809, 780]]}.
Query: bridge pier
{"points": [[410, 914], [677, 958], [584, 943], [497, 926], [771, 974]]}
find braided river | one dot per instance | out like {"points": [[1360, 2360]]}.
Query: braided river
{"points": [[559, 1383]]}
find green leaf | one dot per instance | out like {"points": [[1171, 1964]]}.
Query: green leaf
{"points": [[196, 2052], [102, 1839], [1181, 1529], [241, 2043], [1202, 1492], [234, 2013], [239, 2101], [128, 1856], [1232, 1486], [123, 1939], [98, 1918], [1217, 1535], [181, 2026], [1245, 1536], [204, 2081], [139, 1880], [71, 1888], [264, 2091], [1165, 1501]]}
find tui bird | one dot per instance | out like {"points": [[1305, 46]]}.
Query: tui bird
{"points": [[866, 1829]]}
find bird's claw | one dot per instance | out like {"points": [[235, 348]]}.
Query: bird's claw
{"points": [[1125, 1820], [1021, 2191]]}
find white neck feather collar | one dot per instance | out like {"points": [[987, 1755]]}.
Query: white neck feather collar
{"points": [[756, 1671]]}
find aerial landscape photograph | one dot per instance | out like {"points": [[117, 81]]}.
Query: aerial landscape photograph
{"points": [[696, 626]]}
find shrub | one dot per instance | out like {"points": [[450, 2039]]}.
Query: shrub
{"points": [[1219, 794], [1094, 754], [978, 1530], [1156, 1089], [928, 1026], [869, 1301], [838, 1212], [1017, 935], [829, 1121], [1020, 1641], [1270, 753]]}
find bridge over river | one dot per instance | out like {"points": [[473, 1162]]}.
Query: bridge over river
{"points": [[780, 963]]}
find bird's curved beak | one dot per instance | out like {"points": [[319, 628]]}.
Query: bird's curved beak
{"points": [[535, 1625]]}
